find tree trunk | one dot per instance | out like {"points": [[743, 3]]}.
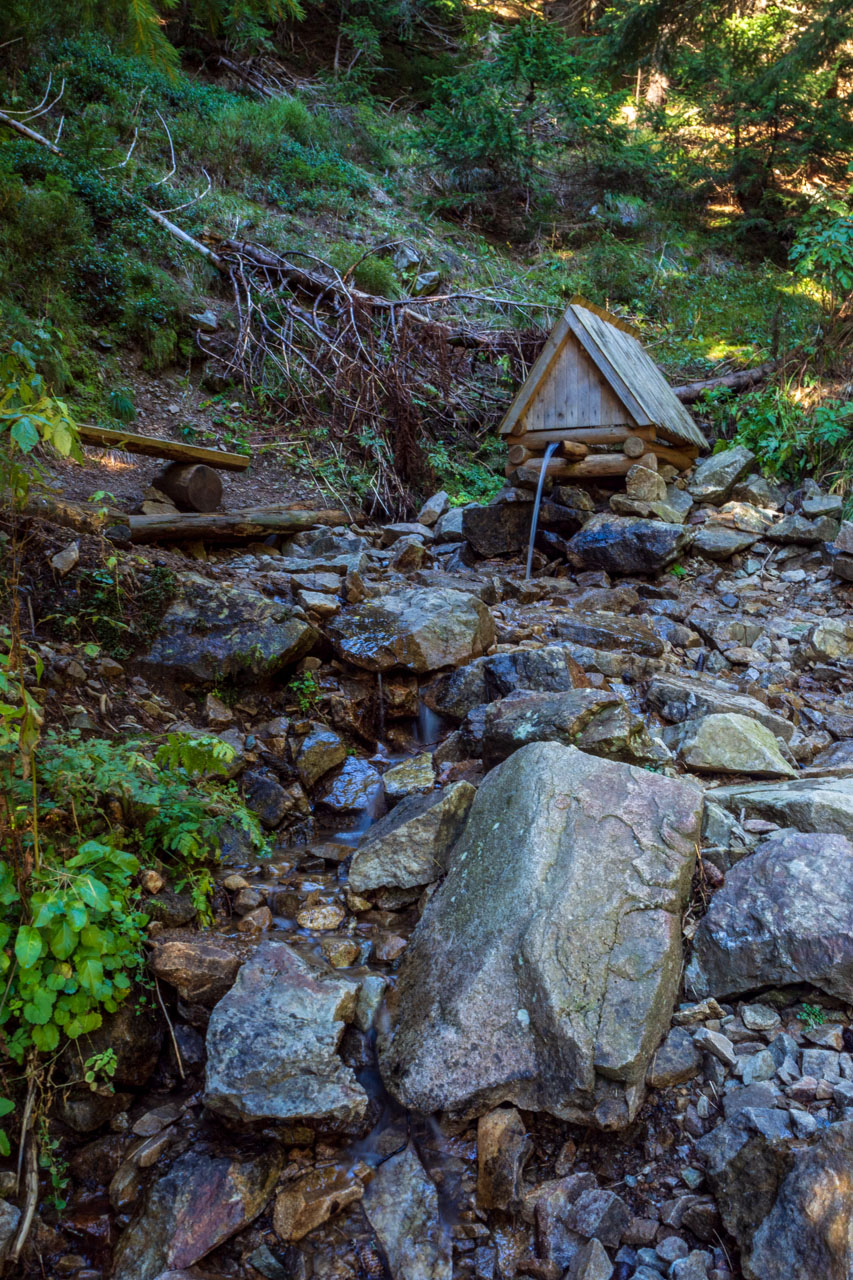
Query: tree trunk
{"points": [[233, 526]]}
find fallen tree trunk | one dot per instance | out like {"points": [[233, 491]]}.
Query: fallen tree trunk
{"points": [[740, 381], [156, 447], [255, 522], [82, 517]]}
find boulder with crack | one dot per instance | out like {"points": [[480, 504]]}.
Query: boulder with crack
{"points": [[784, 915], [415, 630], [216, 630], [543, 971], [272, 1045], [590, 719], [410, 846]]}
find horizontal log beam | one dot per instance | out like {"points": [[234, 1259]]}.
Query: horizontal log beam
{"points": [[156, 447], [596, 466], [536, 440], [681, 458], [572, 450], [232, 526]]}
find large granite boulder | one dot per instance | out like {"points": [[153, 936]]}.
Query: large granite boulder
{"points": [[680, 698], [202, 1200], [628, 544], [215, 630], [715, 477], [416, 630], [543, 971], [808, 804], [272, 1044], [410, 845], [784, 915], [590, 719], [732, 743], [787, 1203]]}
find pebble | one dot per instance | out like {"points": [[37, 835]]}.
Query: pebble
{"points": [[716, 1043], [760, 1017]]}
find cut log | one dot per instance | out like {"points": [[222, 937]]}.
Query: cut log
{"points": [[156, 447], [681, 458], [742, 380], [596, 466], [196, 487], [572, 450], [634, 447], [232, 526], [537, 440]]}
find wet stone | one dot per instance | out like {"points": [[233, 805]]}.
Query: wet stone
{"points": [[401, 1204], [677, 1059], [503, 1146], [312, 1200]]}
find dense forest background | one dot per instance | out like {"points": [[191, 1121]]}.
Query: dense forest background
{"points": [[686, 165]]}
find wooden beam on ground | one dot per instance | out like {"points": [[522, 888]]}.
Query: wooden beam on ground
{"points": [[255, 522], [742, 380], [82, 517], [156, 447]]}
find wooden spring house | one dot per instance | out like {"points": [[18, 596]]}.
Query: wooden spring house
{"points": [[596, 392]]}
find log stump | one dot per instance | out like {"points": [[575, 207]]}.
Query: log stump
{"points": [[192, 488]]}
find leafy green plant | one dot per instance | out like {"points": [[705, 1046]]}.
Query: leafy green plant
{"points": [[824, 248], [29, 416], [812, 1016], [306, 690], [791, 439]]}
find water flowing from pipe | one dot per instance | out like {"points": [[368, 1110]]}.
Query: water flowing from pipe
{"points": [[549, 453]]}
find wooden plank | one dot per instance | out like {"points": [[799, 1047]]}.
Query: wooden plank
{"points": [[636, 370], [601, 359], [534, 378], [155, 447], [519, 454]]}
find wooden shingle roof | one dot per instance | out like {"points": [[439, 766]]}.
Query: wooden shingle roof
{"points": [[624, 365]]}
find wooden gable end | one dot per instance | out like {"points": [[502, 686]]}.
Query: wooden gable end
{"points": [[573, 393]]}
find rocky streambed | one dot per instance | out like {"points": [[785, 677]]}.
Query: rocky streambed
{"points": [[550, 973]]}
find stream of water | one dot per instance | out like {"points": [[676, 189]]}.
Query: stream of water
{"points": [[550, 450]]}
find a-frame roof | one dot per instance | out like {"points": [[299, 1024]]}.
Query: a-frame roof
{"points": [[620, 358]]}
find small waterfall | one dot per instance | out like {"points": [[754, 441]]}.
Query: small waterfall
{"points": [[549, 453], [428, 729], [380, 718]]}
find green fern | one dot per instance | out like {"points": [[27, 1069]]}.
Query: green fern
{"points": [[190, 755]]}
